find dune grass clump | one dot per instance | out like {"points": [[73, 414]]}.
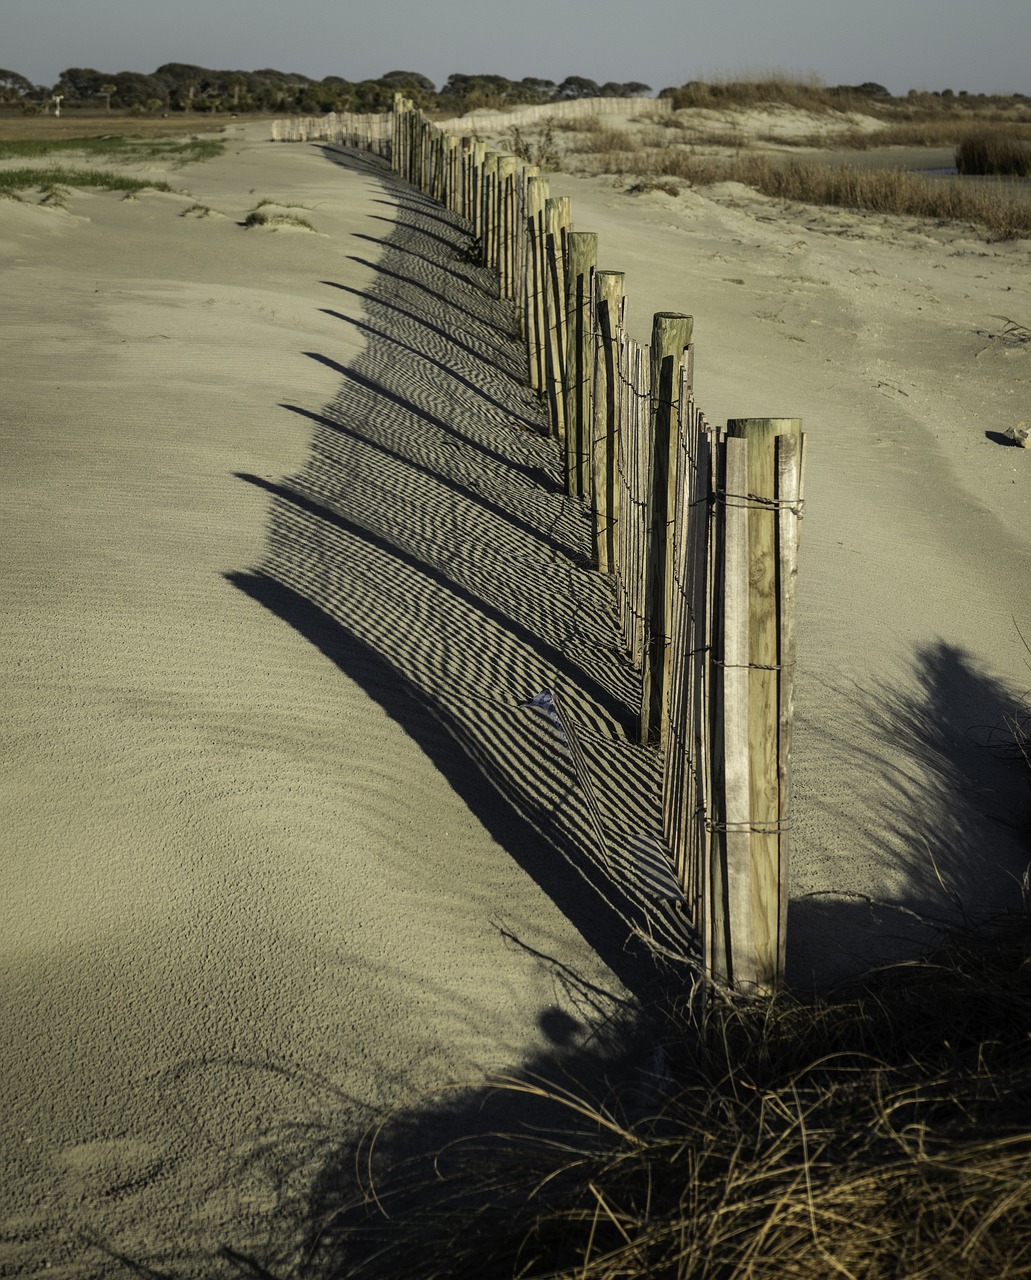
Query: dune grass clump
{"points": [[259, 217], [883, 1133], [14, 180], [994, 153], [535, 148], [123, 148]]}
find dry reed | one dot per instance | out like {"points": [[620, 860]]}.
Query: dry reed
{"points": [[1000, 211], [994, 153]]}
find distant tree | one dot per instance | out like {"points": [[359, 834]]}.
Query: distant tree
{"points": [[408, 80], [136, 90], [13, 86], [532, 89], [373, 96], [80, 82], [236, 83], [578, 87], [632, 89]]}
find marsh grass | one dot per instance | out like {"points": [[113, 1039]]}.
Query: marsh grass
{"points": [[13, 181], [881, 1133], [994, 153], [948, 131], [894, 192], [1002, 213], [123, 148]]}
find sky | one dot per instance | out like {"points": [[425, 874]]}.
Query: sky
{"points": [[981, 46]]}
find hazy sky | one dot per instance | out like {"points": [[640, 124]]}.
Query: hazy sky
{"points": [[982, 46]]}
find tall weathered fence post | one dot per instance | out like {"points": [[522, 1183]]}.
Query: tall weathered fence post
{"points": [[556, 229], [762, 499], [583, 262], [608, 312], [536, 333], [506, 225], [671, 336]]}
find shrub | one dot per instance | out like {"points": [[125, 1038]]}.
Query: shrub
{"points": [[538, 149]]}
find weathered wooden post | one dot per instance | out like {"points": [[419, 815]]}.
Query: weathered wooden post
{"points": [[671, 336], [608, 313], [395, 134], [583, 262], [763, 497], [490, 209], [536, 333], [521, 284], [507, 166], [557, 226]]}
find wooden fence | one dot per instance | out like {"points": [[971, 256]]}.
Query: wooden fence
{"points": [[368, 133], [484, 121], [697, 524]]}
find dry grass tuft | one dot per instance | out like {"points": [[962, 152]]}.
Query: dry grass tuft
{"points": [[882, 1134], [1003, 214], [535, 147]]}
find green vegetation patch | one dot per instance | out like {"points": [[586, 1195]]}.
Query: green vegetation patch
{"points": [[122, 148], [14, 180]]}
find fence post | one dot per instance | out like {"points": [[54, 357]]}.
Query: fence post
{"points": [[536, 334], [583, 262], [671, 335], [557, 220], [608, 292], [506, 224], [769, 503]]}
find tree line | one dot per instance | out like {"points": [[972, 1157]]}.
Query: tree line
{"points": [[179, 86]]}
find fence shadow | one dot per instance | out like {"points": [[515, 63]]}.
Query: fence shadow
{"points": [[954, 820], [428, 550]]}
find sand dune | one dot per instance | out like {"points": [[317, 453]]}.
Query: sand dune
{"points": [[284, 559]]}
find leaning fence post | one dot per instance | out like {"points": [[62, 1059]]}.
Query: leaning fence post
{"points": [[770, 500], [608, 311], [671, 336], [583, 261]]}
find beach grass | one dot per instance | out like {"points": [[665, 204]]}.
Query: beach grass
{"points": [[260, 217], [881, 1133], [1002, 212], [130, 149], [12, 181]]}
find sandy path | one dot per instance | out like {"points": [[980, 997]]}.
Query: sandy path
{"points": [[249, 896]]}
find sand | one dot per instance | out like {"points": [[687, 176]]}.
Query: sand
{"points": [[283, 561]]}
